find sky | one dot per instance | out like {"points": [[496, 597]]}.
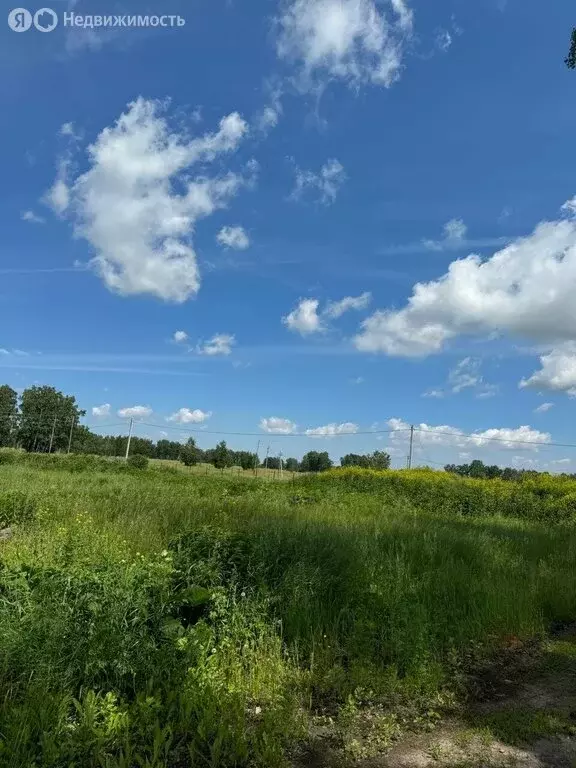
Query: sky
{"points": [[305, 224]]}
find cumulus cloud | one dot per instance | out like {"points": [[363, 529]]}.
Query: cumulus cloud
{"points": [[557, 372], [338, 308], [332, 430], [127, 205], [277, 426], [304, 319], [187, 416], [445, 435], [325, 184], [32, 217], [233, 237], [135, 412], [101, 410], [525, 289], [219, 344], [356, 41], [180, 337], [543, 408]]}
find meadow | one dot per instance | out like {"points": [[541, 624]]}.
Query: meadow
{"points": [[162, 618]]}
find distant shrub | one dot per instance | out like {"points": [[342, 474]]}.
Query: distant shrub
{"points": [[137, 461], [16, 508], [9, 456], [547, 498]]}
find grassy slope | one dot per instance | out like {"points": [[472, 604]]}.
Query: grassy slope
{"points": [[313, 598]]}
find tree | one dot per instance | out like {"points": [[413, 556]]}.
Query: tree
{"points": [[8, 415], [570, 60], [46, 417], [189, 453], [380, 460], [292, 465], [355, 460], [376, 460], [243, 459], [314, 461], [222, 456], [168, 449], [272, 462]]}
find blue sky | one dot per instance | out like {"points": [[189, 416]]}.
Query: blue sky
{"points": [[273, 180]]}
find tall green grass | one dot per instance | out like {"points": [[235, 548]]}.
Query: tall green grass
{"points": [[148, 618]]}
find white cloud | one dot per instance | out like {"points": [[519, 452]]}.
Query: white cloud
{"points": [[32, 217], [454, 232], [444, 435], [187, 416], [58, 196], [270, 116], [332, 430], [464, 375], [353, 40], [443, 40], [180, 337], [304, 318], [543, 408], [525, 289], [268, 119], [326, 183], [436, 393], [233, 237], [135, 412], [358, 380], [101, 410], [4, 351], [338, 308], [558, 371], [219, 344], [126, 205], [561, 461], [277, 426]]}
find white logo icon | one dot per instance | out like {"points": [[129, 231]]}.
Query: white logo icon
{"points": [[19, 20], [45, 20]]}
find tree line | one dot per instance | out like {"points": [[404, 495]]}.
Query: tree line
{"points": [[483, 471], [42, 419]]}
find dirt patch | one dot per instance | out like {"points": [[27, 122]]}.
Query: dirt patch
{"points": [[521, 713]]}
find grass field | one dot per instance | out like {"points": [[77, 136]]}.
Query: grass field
{"points": [[166, 618]]}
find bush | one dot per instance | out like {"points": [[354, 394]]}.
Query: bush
{"points": [[9, 456], [137, 461]]}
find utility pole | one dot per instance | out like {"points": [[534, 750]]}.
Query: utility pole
{"points": [[267, 452], [71, 432], [411, 444], [52, 434], [280, 457], [129, 438]]}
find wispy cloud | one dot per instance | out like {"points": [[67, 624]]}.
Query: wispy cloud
{"points": [[463, 244]]}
